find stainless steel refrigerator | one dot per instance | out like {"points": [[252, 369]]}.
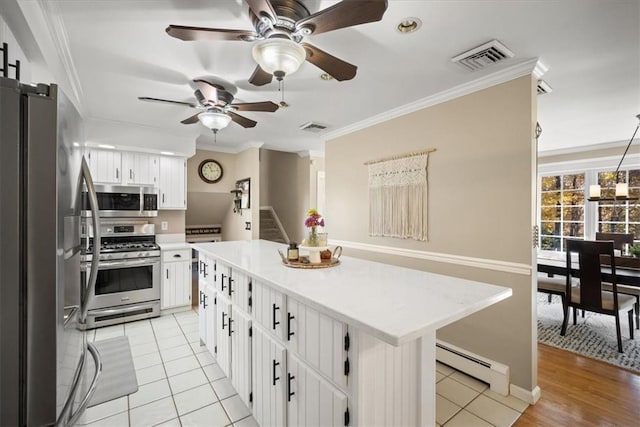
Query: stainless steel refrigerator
{"points": [[44, 352]]}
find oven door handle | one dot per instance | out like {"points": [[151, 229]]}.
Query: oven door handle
{"points": [[90, 289], [128, 263]]}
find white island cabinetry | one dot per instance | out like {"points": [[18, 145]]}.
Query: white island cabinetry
{"points": [[319, 340]]}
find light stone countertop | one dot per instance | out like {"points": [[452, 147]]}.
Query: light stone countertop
{"points": [[394, 304], [174, 246]]}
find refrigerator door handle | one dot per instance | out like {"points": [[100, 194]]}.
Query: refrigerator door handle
{"points": [[90, 289], [92, 388]]}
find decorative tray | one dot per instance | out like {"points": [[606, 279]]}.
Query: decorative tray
{"points": [[303, 263]]}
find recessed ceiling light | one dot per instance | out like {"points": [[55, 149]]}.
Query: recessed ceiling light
{"points": [[409, 25], [325, 76]]}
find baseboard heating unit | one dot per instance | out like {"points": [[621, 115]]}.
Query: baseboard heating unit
{"points": [[493, 373]]}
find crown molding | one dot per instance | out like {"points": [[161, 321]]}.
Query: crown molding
{"points": [[501, 76], [228, 149], [58, 35], [311, 153], [582, 148]]}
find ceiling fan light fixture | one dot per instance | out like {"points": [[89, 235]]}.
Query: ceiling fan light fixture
{"points": [[214, 120], [409, 25], [326, 76], [279, 55]]}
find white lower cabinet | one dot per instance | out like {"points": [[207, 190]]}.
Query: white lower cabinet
{"points": [[268, 308], [203, 320], [312, 400], [241, 354], [288, 362], [176, 278], [269, 379], [210, 306], [223, 323]]}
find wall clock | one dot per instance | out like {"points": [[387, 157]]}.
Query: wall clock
{"points": [[210, 171]]}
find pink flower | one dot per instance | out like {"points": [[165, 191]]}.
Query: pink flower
{"points": [[314, 219]]}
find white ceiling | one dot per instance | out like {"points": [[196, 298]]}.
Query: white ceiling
{"points": [[119, 50]]}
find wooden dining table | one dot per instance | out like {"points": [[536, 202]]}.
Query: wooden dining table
{"points": [[627, 268]]}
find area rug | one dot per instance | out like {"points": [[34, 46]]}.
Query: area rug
{"points": [[594, 335], [118, 376]]}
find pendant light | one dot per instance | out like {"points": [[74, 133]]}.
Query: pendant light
{"points": [[622, 188]]}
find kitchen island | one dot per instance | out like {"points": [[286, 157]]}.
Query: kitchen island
{"points": [[352, 344]]}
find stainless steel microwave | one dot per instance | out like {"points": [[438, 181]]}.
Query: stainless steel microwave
{"points": [[121, 201]]}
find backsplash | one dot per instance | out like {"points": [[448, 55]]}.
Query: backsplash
{"points": [[174, 219]]}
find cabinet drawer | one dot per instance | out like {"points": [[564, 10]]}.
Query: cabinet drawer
{"points": [[176, 255]]}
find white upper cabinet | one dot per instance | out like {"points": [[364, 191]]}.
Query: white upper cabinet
{"points": [[172, 183], [140, 169], [105, 166]]}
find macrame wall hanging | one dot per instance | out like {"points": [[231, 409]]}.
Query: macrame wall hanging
{"points": [[398, 189]]}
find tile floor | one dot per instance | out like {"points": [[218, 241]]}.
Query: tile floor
{"points": [[181, 385]]}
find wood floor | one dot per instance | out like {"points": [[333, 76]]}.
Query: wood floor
{"points": [[578, 391]]}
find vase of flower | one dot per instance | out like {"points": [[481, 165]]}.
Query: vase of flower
{"points": [[313, 221]]}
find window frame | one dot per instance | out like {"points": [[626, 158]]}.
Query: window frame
{"points": [[590, 167]]}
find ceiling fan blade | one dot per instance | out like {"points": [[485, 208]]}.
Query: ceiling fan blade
{"points": [[260, 77], [267, 106], [190, 120], [148, 99], [337, 68], [208, 91], [347, 13], [262, 7], [199, 33], [241, 120]]}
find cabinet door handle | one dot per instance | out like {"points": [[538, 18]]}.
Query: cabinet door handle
{"points": [[289, 392], [230, 321], [130, 173], [200, 301], [204, 268], [177, 256], [167, 273], [222, 282], [117, 173], [275, 307], [275, 364], [200, 266], [223, 324], [163, 198], [205, 300], [230, 287], [289, 319]]}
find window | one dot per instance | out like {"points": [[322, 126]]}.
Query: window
{"points": [[619, 217], [561, 210]]}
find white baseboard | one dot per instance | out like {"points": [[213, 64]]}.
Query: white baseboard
{"points": [[493, 373], [529, 396]]}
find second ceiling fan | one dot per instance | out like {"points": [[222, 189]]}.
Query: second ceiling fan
{"points": [[281, 25], [218, 108]]}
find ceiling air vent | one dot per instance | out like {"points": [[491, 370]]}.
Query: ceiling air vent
{"points": [[543, 87], [484, 55], [313, 127]]}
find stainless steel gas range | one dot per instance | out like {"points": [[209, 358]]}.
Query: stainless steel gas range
{"points": [[128, 283]]}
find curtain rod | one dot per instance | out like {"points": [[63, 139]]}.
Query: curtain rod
{"points": [[400, 156]]}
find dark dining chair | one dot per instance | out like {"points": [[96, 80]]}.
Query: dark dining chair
{"points": [[552, 286], [619, 239], [589, 294]]}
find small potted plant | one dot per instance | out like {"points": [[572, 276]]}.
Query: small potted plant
{"points": [[635, 251]]}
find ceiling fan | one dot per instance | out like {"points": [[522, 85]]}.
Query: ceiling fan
{"points": [[281, 25], [217, 106]]}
